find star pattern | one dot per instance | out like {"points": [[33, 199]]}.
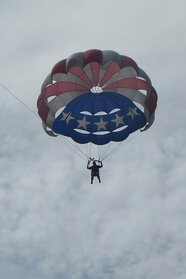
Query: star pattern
{"points": [[132, 112], [118, 120], [101, 125], [83, 123], [67, 117]]}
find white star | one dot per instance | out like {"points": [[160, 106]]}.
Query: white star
{"points": [[132, 112], [101, 124], [83, 123], [67, 117], [118, 120], [64, 115]]}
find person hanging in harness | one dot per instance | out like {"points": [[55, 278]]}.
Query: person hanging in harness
{"points": [[94, 169]]}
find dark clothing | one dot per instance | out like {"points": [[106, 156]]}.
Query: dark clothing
{"points": [[95, 170]]}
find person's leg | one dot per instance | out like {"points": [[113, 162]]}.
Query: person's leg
{"points": [[99, 178]]}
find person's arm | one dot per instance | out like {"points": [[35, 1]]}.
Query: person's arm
{"points": [[101, 164], [88, 167]]}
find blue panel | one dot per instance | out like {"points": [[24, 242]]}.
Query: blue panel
{"points": [[80, 122]]}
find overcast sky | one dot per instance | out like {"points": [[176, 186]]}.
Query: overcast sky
{"points": [[53, 223]]}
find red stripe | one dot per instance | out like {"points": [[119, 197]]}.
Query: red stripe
{"points": [[127, 61], [43, 110], [79, 72], [132, 83], [63, 87], [151, 102], [60, 67], [110, 71], [95, 67], [93, 55]]}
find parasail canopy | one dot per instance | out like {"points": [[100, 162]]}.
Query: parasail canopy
{"points": [[98, 97]]}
